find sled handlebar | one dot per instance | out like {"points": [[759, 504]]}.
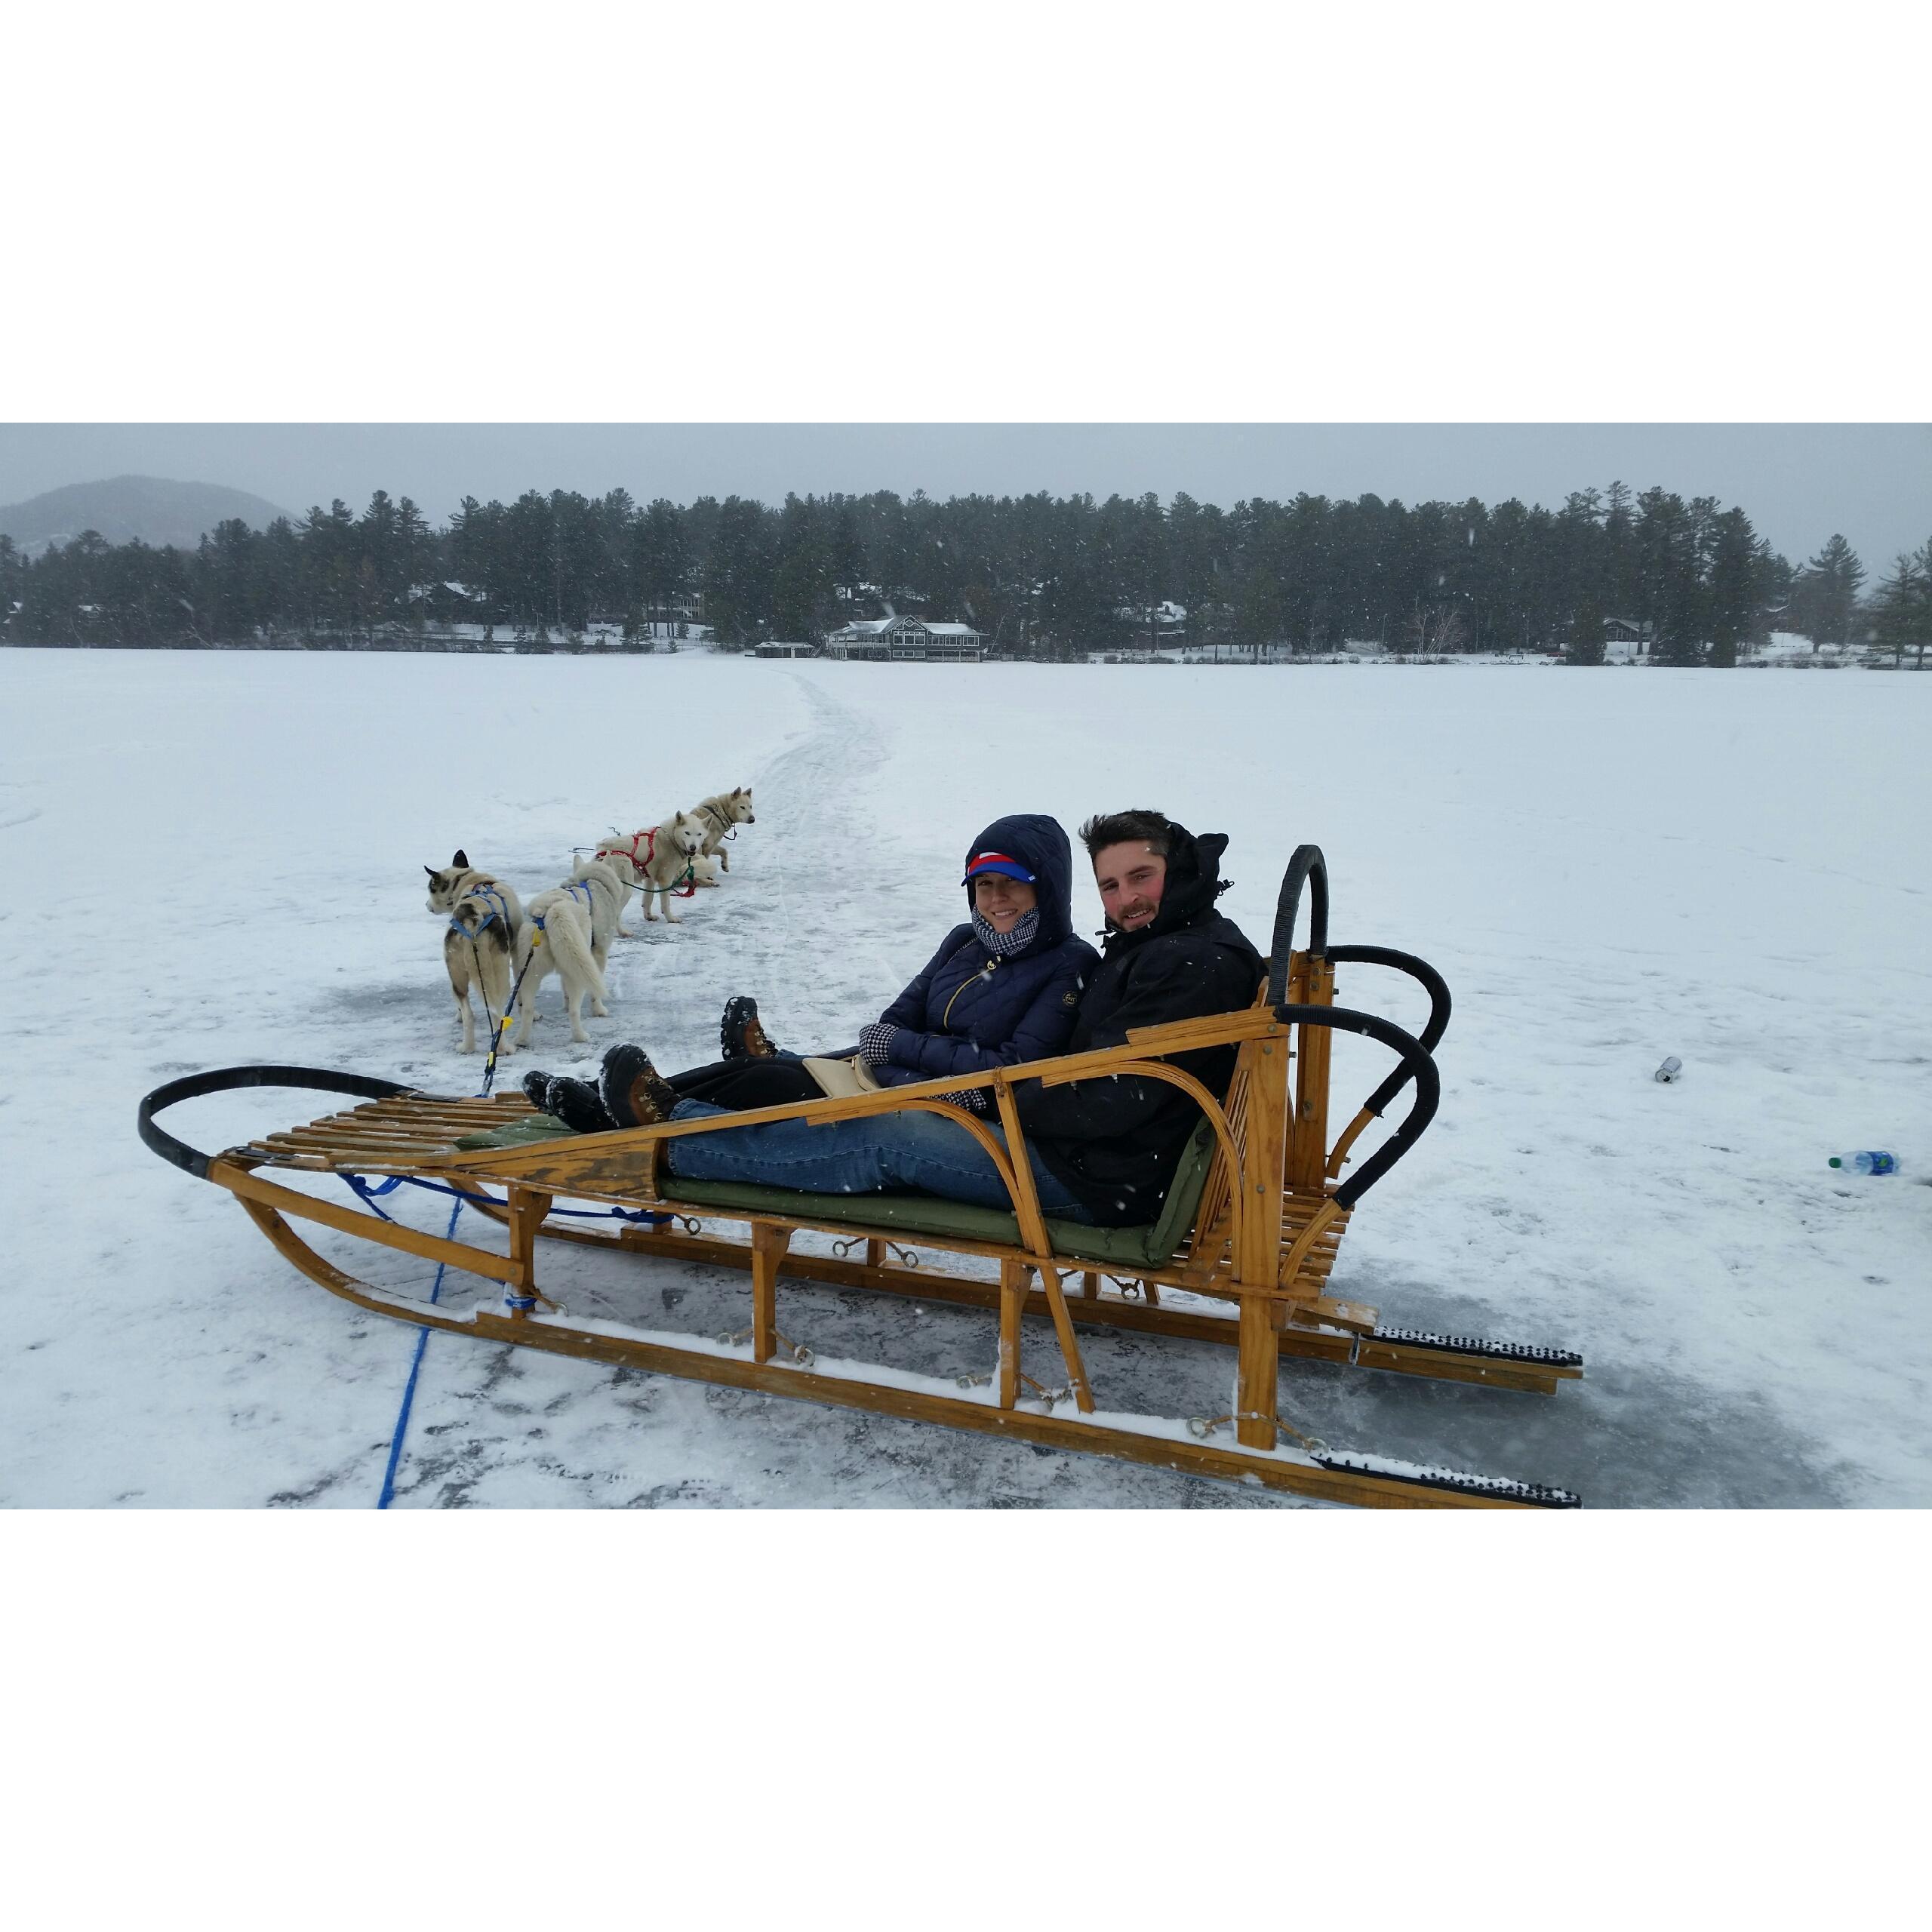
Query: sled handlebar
{"points": [[1431, 982], [227, 1079], [1417, 1066], [1306, 867]]}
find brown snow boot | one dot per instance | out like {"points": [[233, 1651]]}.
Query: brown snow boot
{"points": [[739, 1033], [632, 1093]]}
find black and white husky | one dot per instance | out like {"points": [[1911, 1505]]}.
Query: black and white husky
{"points": [[568, 931], [484, 918], [722, 813]]}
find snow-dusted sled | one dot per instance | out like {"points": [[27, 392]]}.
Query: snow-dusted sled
{"points": [[1249, 1230]]}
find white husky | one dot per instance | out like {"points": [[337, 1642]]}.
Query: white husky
{"points": [[656, 858], [484, 918], [610, 882], [625, 854], [704, 870], [561, 935], [723, 813]]}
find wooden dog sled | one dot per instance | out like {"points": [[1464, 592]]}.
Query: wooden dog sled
{"points": [[1248, 1233]]}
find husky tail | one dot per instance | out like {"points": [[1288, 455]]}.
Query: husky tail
{"points": [[569, 933], [571, 936], [620, 873]]}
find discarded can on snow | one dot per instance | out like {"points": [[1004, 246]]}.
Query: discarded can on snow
{"points": [[1670, 1069]]}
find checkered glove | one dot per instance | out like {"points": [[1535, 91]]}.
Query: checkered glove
{"points": [[875, 1043], [973, 1098]]}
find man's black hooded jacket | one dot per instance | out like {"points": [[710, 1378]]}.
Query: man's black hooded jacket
{"points": [[1114, 1141]]}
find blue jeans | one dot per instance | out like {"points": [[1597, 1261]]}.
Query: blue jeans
{"points": [[883, 1153]]}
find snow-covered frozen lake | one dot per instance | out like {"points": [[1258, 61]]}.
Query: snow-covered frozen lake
{"points": [[218, 858]]}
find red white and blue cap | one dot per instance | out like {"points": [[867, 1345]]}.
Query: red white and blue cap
{"points": [[997, 861]]}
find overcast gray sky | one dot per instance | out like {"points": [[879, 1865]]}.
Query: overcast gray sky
{"points": [[1797, 482]]}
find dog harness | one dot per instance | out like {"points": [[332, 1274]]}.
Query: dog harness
{"points": [[538, 919], [688, 888], [494, 899], [630, 851]]}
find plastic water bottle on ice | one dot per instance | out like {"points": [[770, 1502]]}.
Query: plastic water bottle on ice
{"points": [[1869, 1160], [1670, 1069]]}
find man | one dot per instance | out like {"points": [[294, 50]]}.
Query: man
{"points": [[1102, 1151], [1114, 1142]]}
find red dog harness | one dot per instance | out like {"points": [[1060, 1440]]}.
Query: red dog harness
{"points": [[687, 890]]}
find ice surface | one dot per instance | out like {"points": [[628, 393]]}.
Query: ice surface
{"points": [[213, 858]]}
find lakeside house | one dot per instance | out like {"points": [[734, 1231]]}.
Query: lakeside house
{"points": [[907, 639], [1626, 638]]}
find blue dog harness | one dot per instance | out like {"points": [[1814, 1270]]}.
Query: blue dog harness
{"points": [[499, 909]]}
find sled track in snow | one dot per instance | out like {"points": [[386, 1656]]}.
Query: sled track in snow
{"points": [[760, 931]]}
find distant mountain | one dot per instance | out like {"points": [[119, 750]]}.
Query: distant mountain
{"points": [[151, 507]]}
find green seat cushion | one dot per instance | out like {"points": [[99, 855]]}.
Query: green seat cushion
{"points": [[1150, 1245], [525, 1132]]}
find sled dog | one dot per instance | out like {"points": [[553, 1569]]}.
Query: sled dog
{"points": [[624, 853], [665, 852], [609, 882], [484, 918], [559, 937], [722, 813]]}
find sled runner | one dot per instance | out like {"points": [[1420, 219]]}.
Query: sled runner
{"points": [[1243, 1248]]}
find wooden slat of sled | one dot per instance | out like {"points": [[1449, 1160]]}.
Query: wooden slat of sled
{"points": [[496, 1112], [442, 1133], [417, 1119], [347, 1151], [430, 1140], [354, 1221]]}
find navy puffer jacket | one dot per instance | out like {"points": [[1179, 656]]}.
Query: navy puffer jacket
{"points": [[967, 1011]]}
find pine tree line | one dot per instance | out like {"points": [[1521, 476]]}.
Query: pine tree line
{"points": [[1041, 576]]}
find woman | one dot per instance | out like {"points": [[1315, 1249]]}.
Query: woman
{"points": [[1001, 988]]}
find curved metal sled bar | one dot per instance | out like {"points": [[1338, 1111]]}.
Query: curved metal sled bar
{"points": [[1431, 982], [1421, 971], [1417, 1066], [228, 1079], [1307, 867]]}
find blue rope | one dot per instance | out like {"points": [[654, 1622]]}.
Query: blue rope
{"points": [[359, 1182], [409, 1387], [359, 1185]]}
